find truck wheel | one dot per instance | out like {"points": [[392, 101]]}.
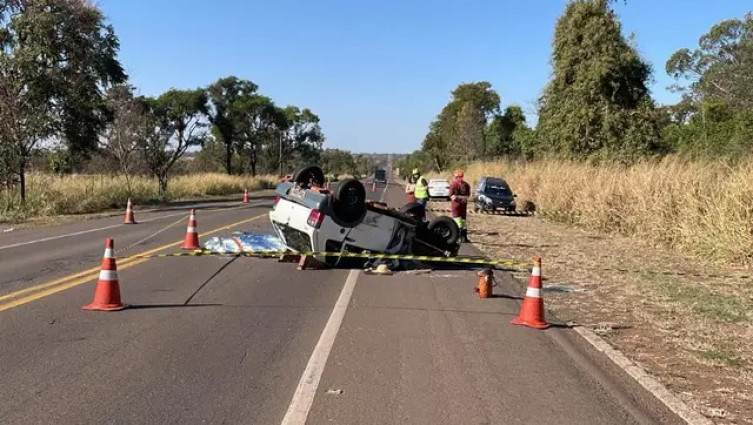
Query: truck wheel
{"points": [[308, 174], [415, 210], [446, 229], [349, 202]]}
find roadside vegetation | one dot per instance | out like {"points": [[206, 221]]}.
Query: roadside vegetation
{"points": [[701, 207], [603, 155], [67, 108], [51, 195]]}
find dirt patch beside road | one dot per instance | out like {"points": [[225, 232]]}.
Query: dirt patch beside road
{"points": [[688, 323]]}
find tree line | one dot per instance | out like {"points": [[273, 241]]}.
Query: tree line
{"points": [[65, 101], [597, 105]]}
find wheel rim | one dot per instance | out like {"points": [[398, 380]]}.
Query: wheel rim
{"points": [[443, 231], [351, 197]]}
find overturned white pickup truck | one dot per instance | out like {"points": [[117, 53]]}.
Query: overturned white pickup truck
{"points": [[308, 218]]}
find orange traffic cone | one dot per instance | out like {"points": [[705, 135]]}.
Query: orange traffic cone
{"points": [[107, 294], [532, 310], [129, 219], [373, 186], [192, 237], [245, 197]]}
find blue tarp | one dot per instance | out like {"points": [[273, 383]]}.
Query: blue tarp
{"points": [[244, 242]]}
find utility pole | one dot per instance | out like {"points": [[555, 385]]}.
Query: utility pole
{"points": [[280, 152]]}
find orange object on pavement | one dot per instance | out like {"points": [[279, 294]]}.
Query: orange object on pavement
{"points": [[107, 294], [485, 283], [245, 196], [532, 310], [192, 236], [373, 186], [129, 219]]}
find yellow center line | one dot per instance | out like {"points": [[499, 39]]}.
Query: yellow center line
{"points": [[76, 279]]}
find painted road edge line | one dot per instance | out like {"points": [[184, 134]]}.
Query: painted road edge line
{"points": [[651, 385], [303, 398]]}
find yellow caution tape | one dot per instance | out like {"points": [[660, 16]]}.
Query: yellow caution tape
{"points": [[374, 256]]}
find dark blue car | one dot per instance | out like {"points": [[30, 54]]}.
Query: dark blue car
{"points": [[492, 194]]}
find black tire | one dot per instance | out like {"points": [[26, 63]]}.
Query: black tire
{"points": [[414, 210], [446, 229], [349, 203], [309, 173]]}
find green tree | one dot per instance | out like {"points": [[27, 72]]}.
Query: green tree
{"points": [[721, 68], [303, 137], [714, 116], [57, 55], [506, 134], [223, 96], [177, 123], [257, 122], [436, 145], [125, 132], [457, 132], [597, 102], [470, 129]]}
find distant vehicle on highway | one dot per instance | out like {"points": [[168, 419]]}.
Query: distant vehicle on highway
{"points": [[380, 176], [492, 194], [307, 218], [439, 188]]}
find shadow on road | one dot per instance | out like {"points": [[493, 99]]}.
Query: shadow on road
{"points": [[509, 297], [150, 306], [496, 313]]}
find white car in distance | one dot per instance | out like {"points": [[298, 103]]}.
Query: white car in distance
{"points": [[439, 188]]}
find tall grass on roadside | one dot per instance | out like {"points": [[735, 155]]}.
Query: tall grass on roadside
{"points": [[53, 195], [701, 207]]}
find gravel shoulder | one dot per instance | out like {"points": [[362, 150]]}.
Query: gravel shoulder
{"points": [[687, 322]]}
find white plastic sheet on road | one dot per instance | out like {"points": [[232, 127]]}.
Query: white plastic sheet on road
{"points": [[244, 242]]}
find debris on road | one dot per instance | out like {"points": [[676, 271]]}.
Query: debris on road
{"points": [[418, 271], [244, 242], [334, 391], [381, 269]]}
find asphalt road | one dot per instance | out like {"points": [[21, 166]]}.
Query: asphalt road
{"points": [[216, 340]]}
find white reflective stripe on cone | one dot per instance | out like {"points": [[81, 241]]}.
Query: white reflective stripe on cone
{"points": [[536, 271], [533, 292], [108, 275], [109, 253], [191, 230]]}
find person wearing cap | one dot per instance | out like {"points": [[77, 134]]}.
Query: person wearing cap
{"points": [[421, 190], [410, 188], [460, 191]]}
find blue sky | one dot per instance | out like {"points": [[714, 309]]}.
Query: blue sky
{"points": [[377, 72]]}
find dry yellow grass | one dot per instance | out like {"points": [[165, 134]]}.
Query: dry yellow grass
{"points": [[77, 194], [705, 208]]}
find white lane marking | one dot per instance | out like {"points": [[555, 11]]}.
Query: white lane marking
{"points": [[303, 398], [83, 232], [384, 192]]}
